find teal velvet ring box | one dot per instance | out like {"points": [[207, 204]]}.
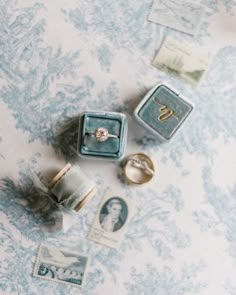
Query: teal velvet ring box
{"points": [[102, 135], [163, 111]]}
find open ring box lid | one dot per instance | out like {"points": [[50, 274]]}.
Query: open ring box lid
{"points": [[112, 148], [163, 111]]}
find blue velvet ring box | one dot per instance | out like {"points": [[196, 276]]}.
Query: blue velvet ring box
{"points": [[113, 147], [163, 111]]}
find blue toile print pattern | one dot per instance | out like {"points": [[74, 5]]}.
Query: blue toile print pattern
{"points": [[60, 58]]}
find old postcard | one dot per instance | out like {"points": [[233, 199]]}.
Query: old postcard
{"points": [[182, 15], [60, 265], [111, 221], [181, 59]]}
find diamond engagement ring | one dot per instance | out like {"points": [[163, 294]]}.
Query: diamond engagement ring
{"points": [[101, 134]]}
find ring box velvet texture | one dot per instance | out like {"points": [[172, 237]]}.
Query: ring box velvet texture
{"points": [[163, 111], [111, 148]]}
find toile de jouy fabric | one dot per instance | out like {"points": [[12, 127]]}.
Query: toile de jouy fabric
{"points": [[60, 58]]}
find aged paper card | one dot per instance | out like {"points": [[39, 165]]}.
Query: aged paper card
{"points": [[60, 265], [112, 219], [182, 15], [181, 59]]}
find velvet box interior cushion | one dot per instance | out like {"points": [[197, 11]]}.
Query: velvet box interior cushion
{"points": [[156, 105], [110, 147]]}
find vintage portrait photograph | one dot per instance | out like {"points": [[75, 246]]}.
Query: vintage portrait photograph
{"points": [[113, 214], [111, 220]]}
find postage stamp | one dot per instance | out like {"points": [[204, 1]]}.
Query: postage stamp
{"points": [[111, 220], [181, 59], [61, 266], [182, 15]]}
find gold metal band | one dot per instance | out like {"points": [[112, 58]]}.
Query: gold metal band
{"points": [[138, 168]]}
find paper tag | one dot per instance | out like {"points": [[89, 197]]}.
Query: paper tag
{"points": [[182, 15], [181, 59], [111, 221]]}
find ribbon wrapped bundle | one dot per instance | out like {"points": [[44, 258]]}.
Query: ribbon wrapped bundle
{"points": [[69, 190]]}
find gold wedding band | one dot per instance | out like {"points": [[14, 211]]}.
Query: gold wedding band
{"points": [[138, 168]]}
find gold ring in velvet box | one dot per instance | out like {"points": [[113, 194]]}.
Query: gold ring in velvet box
{"points": [[102, 135], [163, 111]]}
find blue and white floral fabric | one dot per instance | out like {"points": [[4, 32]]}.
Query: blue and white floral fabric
{"points": [[58, 58]]}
